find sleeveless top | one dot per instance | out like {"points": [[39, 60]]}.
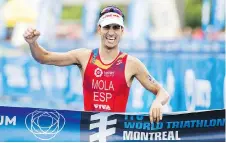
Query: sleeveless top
{"points": [[104, 85]]}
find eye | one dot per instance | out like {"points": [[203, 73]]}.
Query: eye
{"points": [[116, 27], [107, 27]]}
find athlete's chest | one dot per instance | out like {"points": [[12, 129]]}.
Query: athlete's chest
{"points": [[107, 77], [114, 71], [112, 75]]}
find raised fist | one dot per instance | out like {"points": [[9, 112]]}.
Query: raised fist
{"points": [[31, 35]]}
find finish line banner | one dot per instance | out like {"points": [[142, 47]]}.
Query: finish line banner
{"points": [[31, 124]]}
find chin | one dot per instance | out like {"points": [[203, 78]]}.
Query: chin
{"points": [[110, 46]]}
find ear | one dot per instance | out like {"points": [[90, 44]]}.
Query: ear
{"points": [[98, 29], [122, 30]]}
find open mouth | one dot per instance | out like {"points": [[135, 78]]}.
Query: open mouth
{"points": [[111, 40]]}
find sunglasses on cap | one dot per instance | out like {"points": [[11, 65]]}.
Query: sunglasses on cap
{"points": [[111, 9]]}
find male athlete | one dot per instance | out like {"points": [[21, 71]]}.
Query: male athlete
{"points": [[107, 72]]}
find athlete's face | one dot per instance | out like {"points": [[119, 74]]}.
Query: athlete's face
{"points": [[110, 35]]}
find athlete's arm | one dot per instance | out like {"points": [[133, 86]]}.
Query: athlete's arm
{"points": [[143, 76], [52, 58], [55, 58]]}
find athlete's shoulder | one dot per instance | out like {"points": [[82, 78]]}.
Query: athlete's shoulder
{"points": [[81, 54], [133, 65], [133, 60]]}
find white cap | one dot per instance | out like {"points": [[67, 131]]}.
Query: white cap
{"points": [[111, 18]]}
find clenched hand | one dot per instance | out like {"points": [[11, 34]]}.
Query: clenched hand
{"points": [[31, 35]]}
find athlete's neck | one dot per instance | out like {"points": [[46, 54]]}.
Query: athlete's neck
{"points": [[108, 55]]}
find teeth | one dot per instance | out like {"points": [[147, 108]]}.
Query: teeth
{"points": [[111, 38]]}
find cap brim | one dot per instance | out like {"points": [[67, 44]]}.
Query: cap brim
{"points": [[111, 21]]}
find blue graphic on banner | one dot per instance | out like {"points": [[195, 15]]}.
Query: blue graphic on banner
{"points": [[15, 68], [1, 80], [32, 124], [35, 81], [196, 84], [218, 79]]}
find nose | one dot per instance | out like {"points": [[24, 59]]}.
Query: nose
{"points": [[111, 31]]}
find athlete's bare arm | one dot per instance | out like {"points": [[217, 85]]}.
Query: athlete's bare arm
{"points": [[53, 58], [141, 73]]}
